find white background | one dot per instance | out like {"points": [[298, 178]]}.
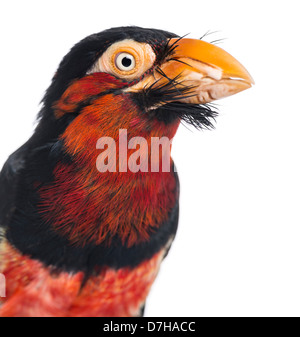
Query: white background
{"points": [[237, 251]]}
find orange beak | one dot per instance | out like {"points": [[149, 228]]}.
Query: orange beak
{"points": [[208, 70]]}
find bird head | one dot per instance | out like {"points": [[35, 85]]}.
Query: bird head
{"points": [[148, 79]]}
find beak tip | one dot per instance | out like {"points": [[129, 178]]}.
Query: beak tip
{"points": [[250, 79]]}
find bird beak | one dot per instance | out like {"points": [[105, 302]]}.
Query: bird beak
{"points": [[208, 70]]}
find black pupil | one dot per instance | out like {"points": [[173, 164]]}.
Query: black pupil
{"points": [[126, 61]]}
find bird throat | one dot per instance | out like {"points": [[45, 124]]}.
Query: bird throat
{"points": [[104, 192]]}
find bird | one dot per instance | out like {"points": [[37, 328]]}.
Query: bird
{"points": [[84, 228]]}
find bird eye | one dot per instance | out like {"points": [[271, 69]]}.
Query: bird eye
{"points": [[125, 61]]}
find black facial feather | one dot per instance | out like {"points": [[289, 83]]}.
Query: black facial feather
{"points": [[167, 97], [167, 50], [199, 116], [158, 94]]}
